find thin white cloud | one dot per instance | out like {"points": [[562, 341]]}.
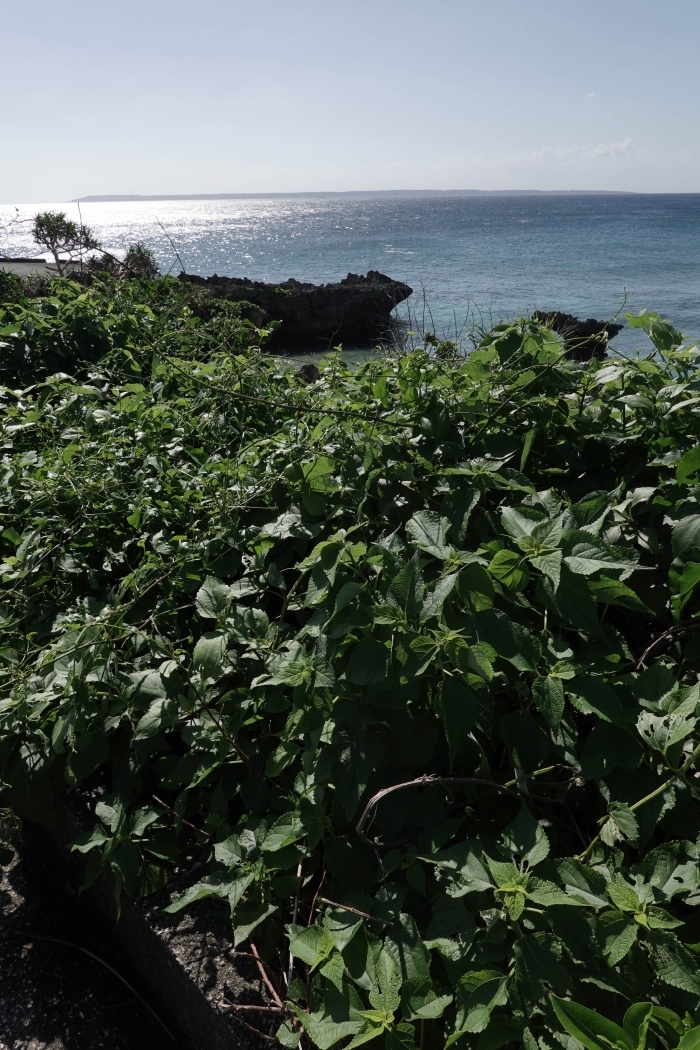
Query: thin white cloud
{"points": [[613, 149], [540, 162], [591, 94], [603, 149]]}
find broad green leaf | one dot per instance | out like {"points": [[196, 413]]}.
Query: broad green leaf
{"points": [[526, 837], [404, 945], [507, 875], [475, 587], [510, 569], [527, 446], [402, 1037], [663, 731], [319, 467], [619, 934], [589, 1027], [111, 812], [368, 662], [480, 659], [343, 925], [87, 841], [287, 829], [583, 882], [281, 757], [548, 694], [621, 824], [526, 740], [229, 852], [475, 1003], [673, 963], [406, 590], [386, 997], [687, 465], [162, 714], [336, 1020], [592, 555], [636, 1024], [571, 601], [458, 707], [212, 598], [623, 896], [210, 886], [643, 319], [691, 1040], [428, 531], [449, 917], [311, 944], [287, 1036], [659, 919], [209, 653], [550, 565], [466, 861], [607, 748], [355, 756], [435, 599], [521, 522], [592, 695], [688, 581], [615, 592], [685, 538], [539, 891], [141, 819], [539, 966], [511, 641], [374, 1027], [247, 918]]}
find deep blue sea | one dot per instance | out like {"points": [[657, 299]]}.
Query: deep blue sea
{"points": [[467, 258]]}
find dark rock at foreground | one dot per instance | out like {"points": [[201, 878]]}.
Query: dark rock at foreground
{"points": [[583, 340], [324, 315]]}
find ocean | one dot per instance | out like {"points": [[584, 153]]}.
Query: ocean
{"points": [[468, 259]]}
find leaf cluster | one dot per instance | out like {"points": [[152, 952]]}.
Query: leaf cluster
{"points": [[400, 666]]}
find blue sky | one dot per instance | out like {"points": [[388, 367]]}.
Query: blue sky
{"points": [[163, 96]]}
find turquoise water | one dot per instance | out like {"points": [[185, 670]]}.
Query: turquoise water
{"points": [[467, 258]]}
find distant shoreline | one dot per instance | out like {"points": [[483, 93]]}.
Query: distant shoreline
{"points": [[125, 197]]}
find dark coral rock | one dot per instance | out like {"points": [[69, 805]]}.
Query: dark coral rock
{"points": [[583, 340], [356, 308]]}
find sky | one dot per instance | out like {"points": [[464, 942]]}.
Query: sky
{"points": [[235, 96]]}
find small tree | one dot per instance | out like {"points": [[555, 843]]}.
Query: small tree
{"points": [[140, 261], [59, 235]]}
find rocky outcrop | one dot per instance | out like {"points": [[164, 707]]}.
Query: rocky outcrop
{"points": [[582, 339], [316, 315]]}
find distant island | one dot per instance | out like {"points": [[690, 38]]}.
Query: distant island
{"points": [[120, 197]]}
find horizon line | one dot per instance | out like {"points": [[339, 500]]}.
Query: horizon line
{"points": [[125, 197]]}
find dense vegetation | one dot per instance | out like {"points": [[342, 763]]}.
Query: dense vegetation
{"points": [[401, 665]]}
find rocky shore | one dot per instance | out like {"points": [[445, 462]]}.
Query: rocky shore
{"points": [[316, 316]]}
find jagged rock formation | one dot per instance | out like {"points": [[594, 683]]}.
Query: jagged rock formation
{"points": [[316, 315], [582, 339]]}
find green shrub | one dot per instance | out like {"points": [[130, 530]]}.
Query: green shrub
{"points": [[402, 665], [73, 325]]}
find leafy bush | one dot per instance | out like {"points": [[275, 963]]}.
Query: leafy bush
{"points": [[139, 261], [73, 325], [401, 665]]}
